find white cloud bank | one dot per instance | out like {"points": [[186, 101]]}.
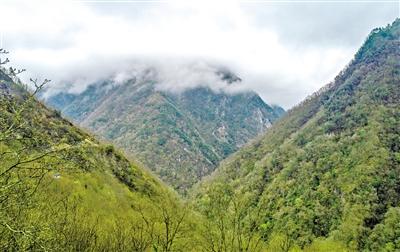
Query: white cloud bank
{"points": [[283, 51]]}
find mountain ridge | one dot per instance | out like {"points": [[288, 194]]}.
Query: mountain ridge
{"points": [[180, 136], [325, 176]]}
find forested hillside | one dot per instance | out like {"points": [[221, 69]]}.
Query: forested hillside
{"points": [[180, 136], [326, 177], [62, 190]]}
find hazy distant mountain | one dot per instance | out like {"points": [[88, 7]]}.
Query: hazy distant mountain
{"points": [[180, 136]]}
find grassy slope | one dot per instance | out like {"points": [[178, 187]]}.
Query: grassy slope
{"points": [[327, 174], [89, 196]]}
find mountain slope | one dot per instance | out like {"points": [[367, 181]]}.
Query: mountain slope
{"points": [[62, 190], [326, 177], [181, 136]]}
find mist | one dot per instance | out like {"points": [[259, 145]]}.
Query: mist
{"points": [[279, 50]]}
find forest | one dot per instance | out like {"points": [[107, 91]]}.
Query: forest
{"points": [[324, 177]]}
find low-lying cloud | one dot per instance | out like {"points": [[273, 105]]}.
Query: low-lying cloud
{"points": [[168, 75], [182, 76], [283, 51]]}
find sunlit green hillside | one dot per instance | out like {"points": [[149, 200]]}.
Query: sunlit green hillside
{"points": [[326, 176], [62, 190]]}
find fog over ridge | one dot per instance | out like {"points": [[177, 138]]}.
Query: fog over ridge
{"points": [[168, 75], [282, 51]]}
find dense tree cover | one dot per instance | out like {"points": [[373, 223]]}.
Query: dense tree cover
{"points": [[327, 176], [181, 137]]}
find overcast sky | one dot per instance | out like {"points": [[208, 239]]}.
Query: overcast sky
{"points": [[282, 50]]}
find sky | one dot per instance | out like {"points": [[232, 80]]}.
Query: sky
{"points": [[283, 50]]}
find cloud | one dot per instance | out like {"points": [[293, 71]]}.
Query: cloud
{"points": [[282, 51], [323, 23], [180, 76], [176, 76]]}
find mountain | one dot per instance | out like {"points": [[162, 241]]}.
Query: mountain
{"points": [[181, 136], [326, 177], [63, 190]]}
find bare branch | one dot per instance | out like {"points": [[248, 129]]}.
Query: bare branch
{"points": [[38, 86], [14, 72], [4, 62]]}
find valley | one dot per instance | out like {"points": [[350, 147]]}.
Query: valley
{"points": [[140, 168], [181, 137]]}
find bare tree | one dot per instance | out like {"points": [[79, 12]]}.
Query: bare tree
{"points": [[26, 156]]}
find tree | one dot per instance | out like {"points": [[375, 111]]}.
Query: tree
{"points": [[231, 223], [25, 158]]}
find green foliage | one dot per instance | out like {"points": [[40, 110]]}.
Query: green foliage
{"points": [[386, 235], [326, 176], [230, 222], [62, 190]]}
